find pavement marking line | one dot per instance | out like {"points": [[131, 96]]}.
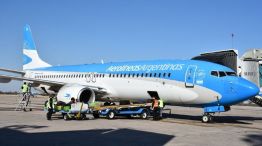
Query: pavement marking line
{"points": [[109, 131]]}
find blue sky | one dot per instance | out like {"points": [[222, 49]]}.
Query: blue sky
{"points": [[86, 31]]}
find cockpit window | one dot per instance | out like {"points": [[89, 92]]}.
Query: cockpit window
{"points": [[214, 73], [231, 73], [222, 74]]}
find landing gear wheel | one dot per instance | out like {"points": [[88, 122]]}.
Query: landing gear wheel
{"points": [[144, 115], [111, 115], [205, 118]]}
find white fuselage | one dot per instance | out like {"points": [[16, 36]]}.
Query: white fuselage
{"points": [[132, 88]]}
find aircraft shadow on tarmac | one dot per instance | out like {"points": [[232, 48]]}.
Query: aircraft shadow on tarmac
{"points": [[253, 139], [12, 135], [217, 119]]}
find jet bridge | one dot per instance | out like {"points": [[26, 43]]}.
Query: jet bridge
{"points": [[227, 58]]}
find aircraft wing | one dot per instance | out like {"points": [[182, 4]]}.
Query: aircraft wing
{"points": [[36, 82], [12, 71]]}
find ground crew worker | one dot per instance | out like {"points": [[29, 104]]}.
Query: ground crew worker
{"points": [[25, 89], [155, 108], [72, 101], [161, 106], [50, 107], [109, 102]]}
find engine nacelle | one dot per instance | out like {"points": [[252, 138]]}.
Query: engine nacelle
{"points": [[82, 93]]}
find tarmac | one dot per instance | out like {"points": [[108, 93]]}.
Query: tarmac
{"points": [[183, 127]]}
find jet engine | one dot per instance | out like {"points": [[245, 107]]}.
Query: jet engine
{"points": [[79, 92]]}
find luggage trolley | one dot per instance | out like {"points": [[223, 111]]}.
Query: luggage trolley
{"points": [[76, 111]]}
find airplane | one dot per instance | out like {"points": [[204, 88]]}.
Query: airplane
{"points": [[203, 84]]}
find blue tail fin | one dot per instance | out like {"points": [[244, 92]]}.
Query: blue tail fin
{"points": [[31, 59]]}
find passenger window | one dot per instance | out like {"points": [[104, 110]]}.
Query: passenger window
{"points": [[146, 75], [154, 74], [128, 75], [159, 75], [142, 75], [133, 75], [214, 73], [169, 75], [222, 74], [137, 75], [150, 75], [164, 75]]}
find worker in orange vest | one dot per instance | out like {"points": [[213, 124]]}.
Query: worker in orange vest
{"points": [[155, 107]]}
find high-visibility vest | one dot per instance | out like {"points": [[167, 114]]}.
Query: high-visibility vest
{"points": [[24, 88], [161, 103], [50, 103]]}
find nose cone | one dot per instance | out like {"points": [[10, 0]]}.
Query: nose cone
{"points": [[247, 89]]}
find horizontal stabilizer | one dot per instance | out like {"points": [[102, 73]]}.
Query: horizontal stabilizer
{"points": [[12, 71], [5, 80]]}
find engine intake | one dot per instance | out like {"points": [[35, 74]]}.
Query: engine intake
{"points": [[79, 92]]}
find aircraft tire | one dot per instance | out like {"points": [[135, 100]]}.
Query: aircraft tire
{"points": [[205, 118]]}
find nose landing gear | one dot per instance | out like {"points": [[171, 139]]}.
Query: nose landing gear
{"points": [[210, 111], [207, 118]]}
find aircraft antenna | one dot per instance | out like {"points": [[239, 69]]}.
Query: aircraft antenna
{"points": [[232, 39]]}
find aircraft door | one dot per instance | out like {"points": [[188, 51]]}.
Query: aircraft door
{"points": [[87, 77], [91, 77], [190, 76]]}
